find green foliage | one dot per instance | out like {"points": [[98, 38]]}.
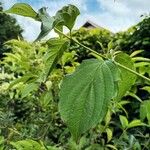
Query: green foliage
{"points": [[144, 111], [30, 97], [136, 38], [126, 125], [91, 38], [55, 51], [9, 29], [42, 86], [27, 145], [127, 78], [83, 111], [23, 10], [66, 17]]}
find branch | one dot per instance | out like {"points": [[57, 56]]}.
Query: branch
{"points": [[91, 50], [74, 40]]}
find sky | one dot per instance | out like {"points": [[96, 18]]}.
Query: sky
{"points": [[114, 15]]}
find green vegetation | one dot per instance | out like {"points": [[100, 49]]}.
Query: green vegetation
{"points": [[53, 99], [96, 39], [9, 29], [136, 38]]}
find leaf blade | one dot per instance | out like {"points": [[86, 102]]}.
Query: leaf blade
{"points": [[22, 9], [85, 104], [124, 121], [46, 23], [67, 16], [127, 78], [56, 47]]}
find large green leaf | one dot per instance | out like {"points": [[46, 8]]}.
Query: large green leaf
{"points": [[127, 78], [85, 95], [46, 23], [23, 10], [67, 16], [56, 47]]}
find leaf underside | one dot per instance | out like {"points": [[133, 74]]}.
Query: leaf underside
{"points": [[23, 10]]}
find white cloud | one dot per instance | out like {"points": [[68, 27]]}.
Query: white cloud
{"points": [[125, 7], [31, 27], [121, 14]]}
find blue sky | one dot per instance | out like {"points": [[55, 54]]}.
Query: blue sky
{"points": [[115, 16]]}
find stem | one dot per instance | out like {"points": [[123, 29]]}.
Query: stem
{"points": [[74, 40], [91, 50], [132, 71]]}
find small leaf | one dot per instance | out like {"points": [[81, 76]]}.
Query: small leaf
{"points": [[51, 148], [124, 102], [27, 145], [111, 146], [136, 53], [23, 79], [56, 47], [141, 59], [145, 111], [22, 9], [28, 88], [127, 78], [110, 45], [108, 117], [109, 134], [135, 123], [48, 84], [124, 121], [141, 64], [66, 16], [46, 23], [45, 98], [2, 140], [68, 57], [85, 96], [95, 147], [135, 96], [146, 88]]}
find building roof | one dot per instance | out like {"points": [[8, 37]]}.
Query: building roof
{"points": [[90, 24]]}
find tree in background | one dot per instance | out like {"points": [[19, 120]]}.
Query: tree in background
{"points": [[9, 29], [136, 38], [95, 38]]}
